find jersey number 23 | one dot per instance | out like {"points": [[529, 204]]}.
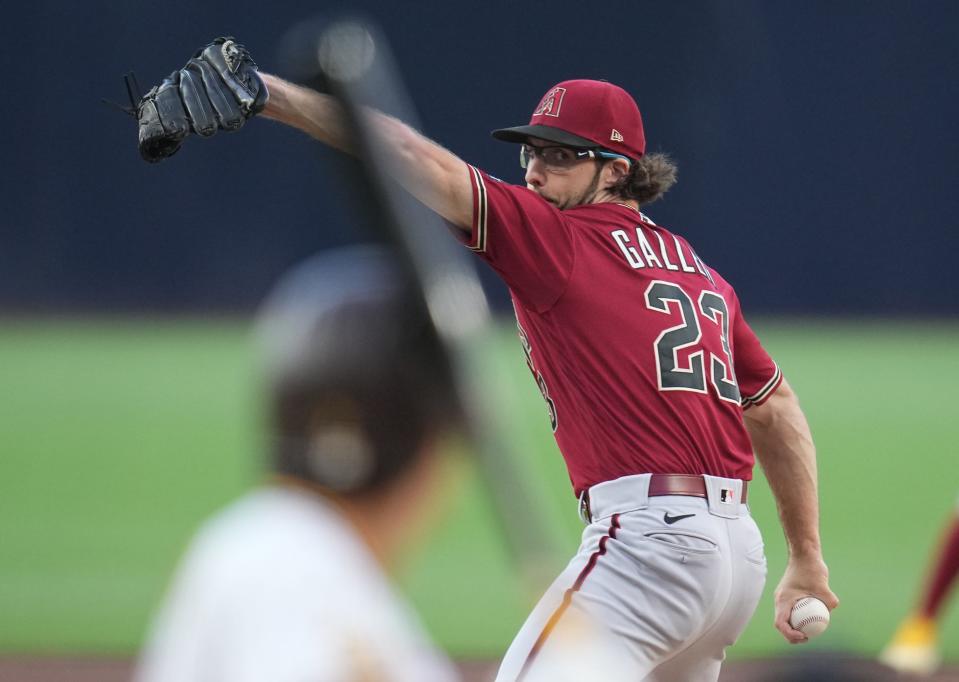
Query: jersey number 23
{"points": [[661, 296]]}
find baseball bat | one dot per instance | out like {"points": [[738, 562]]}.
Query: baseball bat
{"points": [[351, 59]]}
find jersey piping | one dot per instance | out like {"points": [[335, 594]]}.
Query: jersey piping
{"points": [[478, 242], [763, 394]]}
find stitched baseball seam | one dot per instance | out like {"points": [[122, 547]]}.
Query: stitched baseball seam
{"points": [[807, 620]]}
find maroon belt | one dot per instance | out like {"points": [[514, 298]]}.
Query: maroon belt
{"points": [[682, 484], [666, 484]]}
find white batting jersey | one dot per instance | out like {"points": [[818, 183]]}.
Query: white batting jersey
{"points": [[279, 587]]}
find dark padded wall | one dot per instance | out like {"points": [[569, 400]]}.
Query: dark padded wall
{"points": [[816, 141]]}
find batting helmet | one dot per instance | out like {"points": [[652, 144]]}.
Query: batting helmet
{"points": [[358, 378]]}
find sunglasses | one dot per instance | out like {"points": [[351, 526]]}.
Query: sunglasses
{"points": [[556, 157]]}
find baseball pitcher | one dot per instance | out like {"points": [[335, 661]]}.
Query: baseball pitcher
{"points": [[655, 387]]}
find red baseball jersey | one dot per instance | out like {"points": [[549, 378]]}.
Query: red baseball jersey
{"points": [[639, 349]]}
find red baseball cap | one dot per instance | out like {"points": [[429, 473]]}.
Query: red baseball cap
{"points": [[584, 113]]}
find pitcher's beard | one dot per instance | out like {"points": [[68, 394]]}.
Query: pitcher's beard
{"points": [[587, 196]]}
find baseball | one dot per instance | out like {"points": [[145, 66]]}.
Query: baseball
{"points": [[810, 616]]}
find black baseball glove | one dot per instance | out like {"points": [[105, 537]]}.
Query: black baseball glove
{"points": [[219, 88]]}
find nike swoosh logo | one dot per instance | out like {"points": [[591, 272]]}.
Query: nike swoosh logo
{"points": [[673, 519]]}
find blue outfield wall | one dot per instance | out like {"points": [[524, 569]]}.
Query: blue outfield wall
{"points": [[816, 143]]}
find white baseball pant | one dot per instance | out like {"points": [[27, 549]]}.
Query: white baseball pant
{"points": [[659, 588]]}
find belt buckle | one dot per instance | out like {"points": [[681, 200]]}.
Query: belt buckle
{"points": [[585, 513]]}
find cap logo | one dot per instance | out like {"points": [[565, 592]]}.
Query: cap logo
{"points": [[551, 103], [616, 136]]}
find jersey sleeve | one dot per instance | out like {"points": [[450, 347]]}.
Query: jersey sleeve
{"points": [[524, 238], [757, 373]]}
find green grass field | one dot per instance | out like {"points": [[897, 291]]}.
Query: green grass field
{"points": [[118, 437]]}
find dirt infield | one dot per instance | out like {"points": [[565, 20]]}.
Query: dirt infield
{"points": [[808, 668]]}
